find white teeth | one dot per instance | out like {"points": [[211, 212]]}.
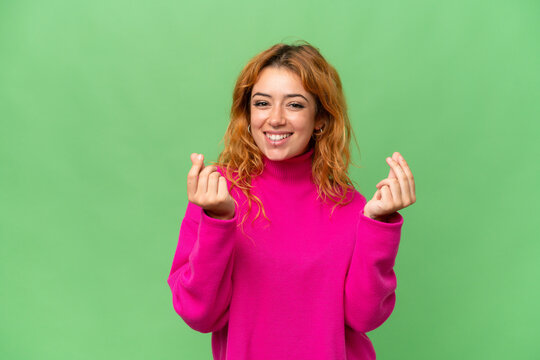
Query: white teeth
{"points": [[277, 137]]}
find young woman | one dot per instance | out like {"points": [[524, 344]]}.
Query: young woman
{"points": [[309, 273]]}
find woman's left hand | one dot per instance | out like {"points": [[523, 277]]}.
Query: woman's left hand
{"points": [[394, 193]]}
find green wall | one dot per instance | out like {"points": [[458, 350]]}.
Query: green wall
{"points": [[101, 103]]}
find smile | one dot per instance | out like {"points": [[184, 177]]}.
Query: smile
{"points": [[277, 137], [277, 140]]}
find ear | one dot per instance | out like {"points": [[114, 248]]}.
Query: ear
{"points": [[320, 122]]}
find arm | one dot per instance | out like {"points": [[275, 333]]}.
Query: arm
{"points": [[200, 276], [371, 282]]}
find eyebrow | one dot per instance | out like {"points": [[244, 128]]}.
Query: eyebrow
{"points": [[286, 96]]}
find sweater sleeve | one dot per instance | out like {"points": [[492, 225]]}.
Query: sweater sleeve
{"points": [[200, 276], [371, 282]]}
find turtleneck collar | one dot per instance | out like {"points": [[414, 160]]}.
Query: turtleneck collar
{"points": [[292, 170]]}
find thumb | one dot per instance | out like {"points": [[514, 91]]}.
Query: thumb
{"points": [[377, 195], [197, 159], [200, 158]]}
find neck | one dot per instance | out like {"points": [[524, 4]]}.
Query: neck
{"points": [[292, 170]]}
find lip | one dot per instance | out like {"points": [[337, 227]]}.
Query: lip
{"points": [[278, 132], [277, 143]]}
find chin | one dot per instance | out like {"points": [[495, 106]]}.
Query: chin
{"points": [[276, 157]]}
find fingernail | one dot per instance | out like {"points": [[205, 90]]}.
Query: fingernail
{"points": [[199, 156]]}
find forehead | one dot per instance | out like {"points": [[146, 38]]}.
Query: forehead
{"points": [[279, 80]]}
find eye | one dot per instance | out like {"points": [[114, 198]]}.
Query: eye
{"points": [[297, 105], [260, 103]]}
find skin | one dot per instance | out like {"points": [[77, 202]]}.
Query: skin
{"points": [[274, 109], [394, 193], [207, 188], [280, 103]]}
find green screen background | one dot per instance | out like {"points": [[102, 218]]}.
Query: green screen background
{"points": [[102, 102]]}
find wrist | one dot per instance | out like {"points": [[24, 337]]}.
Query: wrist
{"points": [[218, 217], [384, 218]]}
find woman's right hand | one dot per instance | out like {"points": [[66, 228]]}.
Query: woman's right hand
{"points": [[208, 189]]}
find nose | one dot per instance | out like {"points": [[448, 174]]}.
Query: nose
{"points": [[277, 118]]}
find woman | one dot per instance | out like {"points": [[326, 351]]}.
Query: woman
{"points": [[314, 273]]}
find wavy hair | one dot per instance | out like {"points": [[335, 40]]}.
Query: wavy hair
{"points": [[241, 157]]}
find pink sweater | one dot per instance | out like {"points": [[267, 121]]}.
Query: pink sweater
{"points": [[307, 287]]}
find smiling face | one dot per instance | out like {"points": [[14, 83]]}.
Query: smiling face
{"points": [[282, 114]]}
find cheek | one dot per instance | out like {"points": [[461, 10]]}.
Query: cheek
{"points": [[303, 121], [257, 117]]}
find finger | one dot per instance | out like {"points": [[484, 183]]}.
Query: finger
{"points": [[403, 181], [395, 192], [222, 188], [213, 185], [202, 187], [395, 166], [391, 202], [410, 177], [192, 178], [391, 173], [386, 197]]}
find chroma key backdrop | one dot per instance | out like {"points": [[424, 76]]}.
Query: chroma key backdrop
{"points": [[102, 103]]}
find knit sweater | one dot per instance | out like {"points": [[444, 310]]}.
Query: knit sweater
{"points": [[305, 285]]}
